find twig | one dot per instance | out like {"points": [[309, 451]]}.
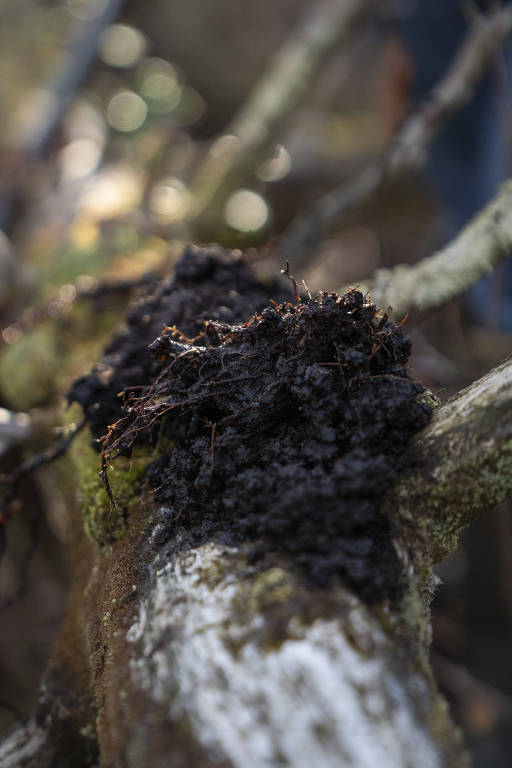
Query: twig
{"points": [[50, 454], [286, 273], [283, 84], [55, 451], [408, 149], [55, 307], [437, 279]]}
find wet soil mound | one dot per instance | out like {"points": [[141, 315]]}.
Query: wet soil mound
{"points": [[288, 428]]}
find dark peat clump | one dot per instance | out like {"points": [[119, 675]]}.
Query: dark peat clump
{"points": [[287, 428], [208, 283]]}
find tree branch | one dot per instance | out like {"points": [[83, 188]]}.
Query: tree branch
{"points": [[254, 667], [437, 279], [408, 149], [71, 70], [462, 465], [285, 81]]}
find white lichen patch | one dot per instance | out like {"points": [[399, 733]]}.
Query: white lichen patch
{"points": [[316, 699]]}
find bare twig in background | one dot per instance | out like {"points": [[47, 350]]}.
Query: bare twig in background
{"points": [[50, 454], [437, 279], [91, 288], [72, 68], [407, 150], [11, 483], [285, 81]]}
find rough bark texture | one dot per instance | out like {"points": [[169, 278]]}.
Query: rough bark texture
{"points": [[175, 654], [461, 464]]}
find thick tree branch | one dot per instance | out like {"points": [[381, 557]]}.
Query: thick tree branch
{"points": [[256, 669], [408, 149], [285, 81], [462, 465], [431, 283]]}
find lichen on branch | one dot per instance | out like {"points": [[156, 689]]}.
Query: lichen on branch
{"points": [[479, 247], [462, 466]]}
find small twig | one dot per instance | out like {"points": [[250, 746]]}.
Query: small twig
{"points": [[50, 454], [408, 149], [31, 317], [286, 273], [176, 332], [384, 318]]}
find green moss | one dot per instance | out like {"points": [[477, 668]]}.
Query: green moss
{"points": [[428, 398], [103, 524], [28, 369], [271, 587], [46, 359]]}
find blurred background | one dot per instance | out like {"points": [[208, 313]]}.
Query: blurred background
{"points": [[117, 117]]}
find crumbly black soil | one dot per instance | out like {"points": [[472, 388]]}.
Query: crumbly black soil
{"points": [[288, 427], [208, 284]]}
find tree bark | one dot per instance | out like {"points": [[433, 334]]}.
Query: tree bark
{"points": [[198, 658]]}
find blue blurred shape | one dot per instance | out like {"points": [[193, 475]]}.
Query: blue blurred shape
{"points": [[470, 157]]}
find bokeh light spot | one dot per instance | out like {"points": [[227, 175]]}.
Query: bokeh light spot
{"points": [[85, 121], [111, 192], [191, 108], [162, 93], [11, 334], [276, 167], [126, 111], [79, 158], [246, 211], [168, 200], [121, 45]]}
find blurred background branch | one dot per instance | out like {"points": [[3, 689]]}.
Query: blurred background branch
{"points": [[55, 97], [288, 77], [408, 148], [434, 281]]}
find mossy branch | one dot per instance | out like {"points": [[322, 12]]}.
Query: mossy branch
{"points": [[437, 279], [462, 465]]}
